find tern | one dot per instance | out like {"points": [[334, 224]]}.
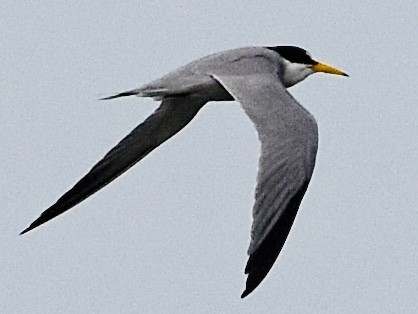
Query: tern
{"points": [[257, 78]]}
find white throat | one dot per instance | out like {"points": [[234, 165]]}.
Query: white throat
{"points": [[295, 72]]}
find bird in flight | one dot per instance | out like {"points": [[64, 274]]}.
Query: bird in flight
{"points": [[257, 78]]}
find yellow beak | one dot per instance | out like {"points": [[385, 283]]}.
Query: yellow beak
{"points": [[322, 67]]}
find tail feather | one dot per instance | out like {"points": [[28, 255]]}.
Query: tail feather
{"points": [[128, 93]]}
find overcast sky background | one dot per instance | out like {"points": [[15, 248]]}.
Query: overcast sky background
{"points": [[171, 234]]}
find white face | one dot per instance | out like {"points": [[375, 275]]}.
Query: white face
{"points": [[295, 72]]}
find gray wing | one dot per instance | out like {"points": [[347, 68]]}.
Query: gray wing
{"points": [[172, 115], [289, 138]]}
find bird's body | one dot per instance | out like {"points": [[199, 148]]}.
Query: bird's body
{"points": [[257, 78]]}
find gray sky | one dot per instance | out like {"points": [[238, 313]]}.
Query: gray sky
{"points": [[171, 234]]}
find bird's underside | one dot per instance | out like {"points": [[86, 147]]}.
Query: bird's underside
{"points": [[287, 132]]}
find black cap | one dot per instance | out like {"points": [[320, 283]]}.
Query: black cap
{"points": [[294, 54]]}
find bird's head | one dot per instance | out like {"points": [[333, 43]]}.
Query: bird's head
{"points": [[298, 65]]}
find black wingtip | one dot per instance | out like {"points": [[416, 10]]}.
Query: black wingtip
{"points": [[245, 293], [129, 93], [34, 225], [26, 230], [253, 281], [262, 259], [43, 218]]}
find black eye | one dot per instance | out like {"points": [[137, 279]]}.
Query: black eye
{"points": [[294, 54]]}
